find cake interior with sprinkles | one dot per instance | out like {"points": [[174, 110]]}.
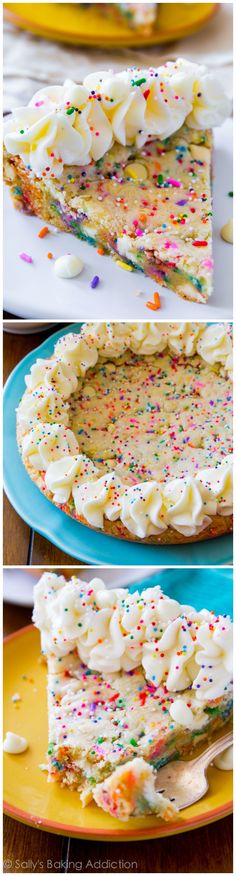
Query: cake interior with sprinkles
{"points": [[132, 684], [128, 429], [123, 161]]}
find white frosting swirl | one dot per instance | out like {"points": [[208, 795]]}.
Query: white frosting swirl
{"points": [[99, 499], [74, 124], [60, 126], [110, 338], [117, 630], [214, 344], [188, 505], [183, 337], [63, 476], [141, 104], [147, 338], [220, 481], [44, 407], [142, 510], [54, 374], [77, 352], [46, 443], [204, 91], [215, 658]]}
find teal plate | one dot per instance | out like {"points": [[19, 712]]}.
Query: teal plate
{"points": [[79, 541]]}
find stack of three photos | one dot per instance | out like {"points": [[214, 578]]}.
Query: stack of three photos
{"points": [[118, 442]]}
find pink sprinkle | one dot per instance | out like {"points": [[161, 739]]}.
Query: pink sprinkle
{"points": [[169, 244], [174, 182], [26, 258], [207, 263], [39, 103]]}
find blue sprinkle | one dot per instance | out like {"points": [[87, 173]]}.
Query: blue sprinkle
{"points": [[94, 282]]}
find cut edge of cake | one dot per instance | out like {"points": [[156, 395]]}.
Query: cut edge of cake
{"points": [[89, 764]]}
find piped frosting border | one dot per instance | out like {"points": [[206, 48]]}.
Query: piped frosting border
{"points": [[74, 124], [49, 445]]}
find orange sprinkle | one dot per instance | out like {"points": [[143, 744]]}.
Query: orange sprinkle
{"points": [[50, 255], [155, 304], [100, 250], [142, 217], [43, 231]]}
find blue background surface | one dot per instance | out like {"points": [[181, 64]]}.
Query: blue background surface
{"points": [[77, 540], [202, 588]]}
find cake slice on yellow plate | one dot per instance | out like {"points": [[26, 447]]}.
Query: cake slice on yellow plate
{"points": [[118, 664], [124, 162], [138, 16]]}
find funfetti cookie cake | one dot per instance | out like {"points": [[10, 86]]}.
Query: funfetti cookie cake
{"points": [[123, 161], [134, 680], [128, 429]]}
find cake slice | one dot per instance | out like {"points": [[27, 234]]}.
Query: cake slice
{"points": [[124, 162], [117, 665], [130, 790], [138, 16]]}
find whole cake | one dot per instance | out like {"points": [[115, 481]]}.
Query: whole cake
{"points": [[128, 428], [124, 162], [134, 681]]}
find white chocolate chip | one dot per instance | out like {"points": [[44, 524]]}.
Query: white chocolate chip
{"points": [[68, 266], [227, 231], [16, 698], [14, 744], [180, 713], [224, 761]]}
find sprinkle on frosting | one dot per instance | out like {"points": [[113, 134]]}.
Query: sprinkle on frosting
{"points": [[74, 124], [115, 630]]}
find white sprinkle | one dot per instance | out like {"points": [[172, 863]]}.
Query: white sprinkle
{"points": [[16, 698]]}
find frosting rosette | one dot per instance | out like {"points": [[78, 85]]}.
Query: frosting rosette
{"points": [[116, 630], [75, 124]]}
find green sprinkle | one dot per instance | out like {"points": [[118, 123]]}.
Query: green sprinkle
{"points": [[133, 742], [50, 748], [100, 740], [70, 111], [22, 132], [160, 179], [230, 194], [138, 81]]}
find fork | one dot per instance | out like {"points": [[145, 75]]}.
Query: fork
{"points": [[185, 782]]}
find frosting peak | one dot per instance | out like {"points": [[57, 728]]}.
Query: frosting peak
{"points": [[118, 630], [74, 124]]}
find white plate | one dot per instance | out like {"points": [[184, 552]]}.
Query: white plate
{"points": [[33, 291], [18, 583], [23, 328]]}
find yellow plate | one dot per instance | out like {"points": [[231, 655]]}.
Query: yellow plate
{"points": [[74, 23], [28, 796]]}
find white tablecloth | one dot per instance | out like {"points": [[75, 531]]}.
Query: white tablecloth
{"points": [[31, 62]]}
